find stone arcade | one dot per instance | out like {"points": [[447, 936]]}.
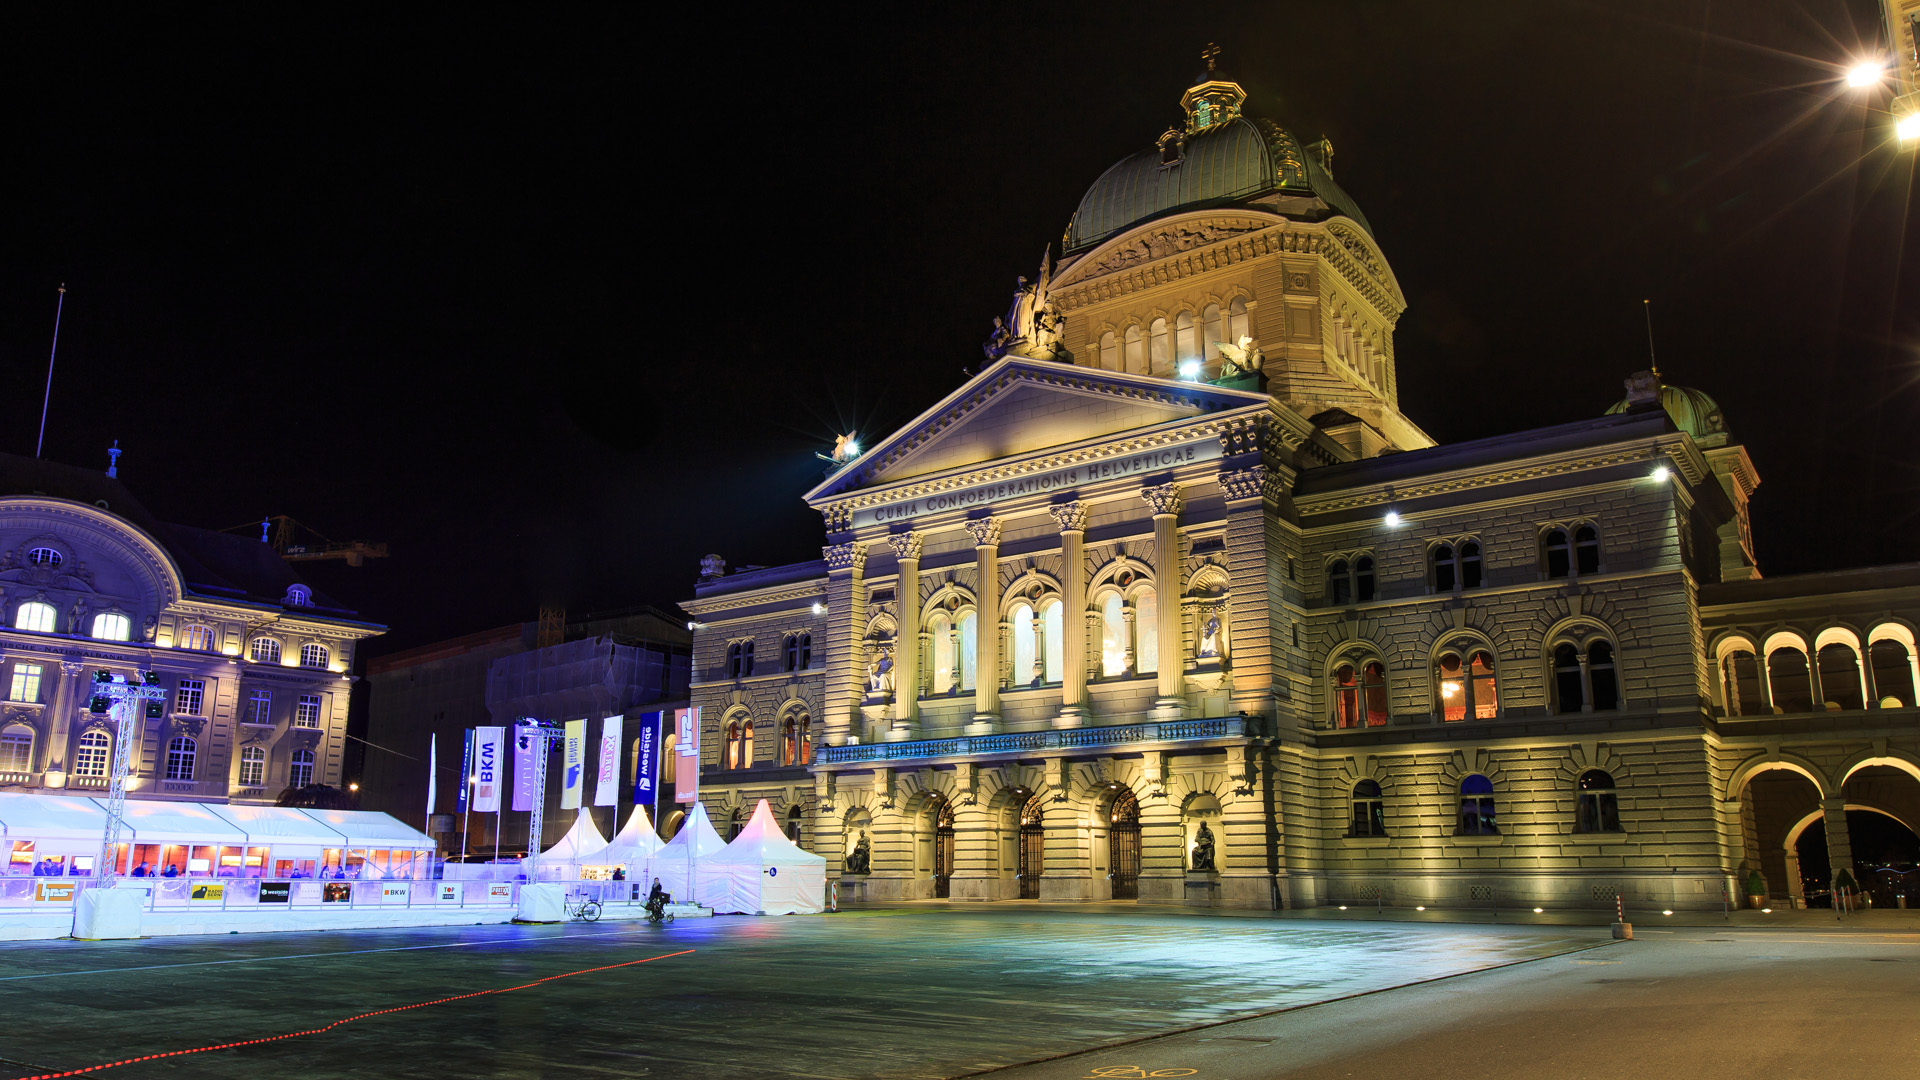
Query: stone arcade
{"points": [[1178, 605]]}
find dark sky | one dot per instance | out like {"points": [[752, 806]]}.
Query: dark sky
{"points": [[554, 307]]}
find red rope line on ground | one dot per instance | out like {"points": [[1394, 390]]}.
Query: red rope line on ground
{"points": [[351, 1019]]}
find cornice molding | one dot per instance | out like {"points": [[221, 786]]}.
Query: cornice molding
{"points": [[806, 592], [1690, 467]]}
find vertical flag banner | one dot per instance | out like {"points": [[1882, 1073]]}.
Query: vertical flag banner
{"points": [[574, 765], [464, 803], [607, 791], [523, 745], [686, 773], [489, 767], [646, 770], [433, 767]]}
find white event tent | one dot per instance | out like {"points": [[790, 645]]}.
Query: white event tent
{"points": [[763, 873], [583, 844], [634, 847], [690, 848]]}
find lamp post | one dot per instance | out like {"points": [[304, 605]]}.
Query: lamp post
{"points": [[126, 702]]}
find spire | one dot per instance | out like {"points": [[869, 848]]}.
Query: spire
{"points": [[113, 459], [1213, 99]]}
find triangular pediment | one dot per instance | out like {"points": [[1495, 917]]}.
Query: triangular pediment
{"points": [[1020, 406]]}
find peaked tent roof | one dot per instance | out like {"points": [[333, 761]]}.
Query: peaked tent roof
{"points": [[638, 839], [763, 843], [583, 841], [697, 832]]}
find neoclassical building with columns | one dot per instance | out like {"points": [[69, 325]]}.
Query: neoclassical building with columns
{"points": [[1173, 602]]}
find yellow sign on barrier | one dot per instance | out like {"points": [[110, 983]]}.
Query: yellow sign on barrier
{"points": [[55, 891]]}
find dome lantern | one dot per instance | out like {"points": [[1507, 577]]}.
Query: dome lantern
{"points": [[1212, 99]]}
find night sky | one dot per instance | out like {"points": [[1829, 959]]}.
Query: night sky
{"points": [[556, 305]]}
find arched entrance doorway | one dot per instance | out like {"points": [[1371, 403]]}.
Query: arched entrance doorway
{"points": [[943, 850], [1885, 856], [1123, 846], [1033, 847]]}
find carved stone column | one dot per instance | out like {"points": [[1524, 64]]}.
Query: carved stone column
{"points": [[1165, 503], [906, 651], [1839, 841], [986, 626], [1072, 520], [847, 620], [66, 699]]}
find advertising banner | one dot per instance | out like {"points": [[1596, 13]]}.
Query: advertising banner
{"points": [[647, 769], [607, 791], [447, 892], [394, 892], [499, 891], [337, 892], [523, 768], [488, 767], [574, 764], [461, 804], [275, 892], [209, 891], [686, 770], [55, 891]]}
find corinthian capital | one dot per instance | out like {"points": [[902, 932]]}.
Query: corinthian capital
{"points": [[1164, 499], [1071, 517], [847, 556], [907, 545], [986, 532]]}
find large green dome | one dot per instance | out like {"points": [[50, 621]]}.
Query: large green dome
{"points": [[1223, 160], [1692, 411]]}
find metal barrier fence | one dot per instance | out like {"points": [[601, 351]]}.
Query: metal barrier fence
{"points": [[23, 894]]}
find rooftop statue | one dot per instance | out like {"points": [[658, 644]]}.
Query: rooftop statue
{"points": [[1032, 324], [1241, 358]]}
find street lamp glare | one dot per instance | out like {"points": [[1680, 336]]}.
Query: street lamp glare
{"points": [[1907, 128], [1865, 73]]}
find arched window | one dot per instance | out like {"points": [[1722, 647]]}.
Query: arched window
{"points": [[1211, 331], [1788, 680], [1369, 817], [1346, 697], [1602, 675], [264, 650], [734, 824], [194, 637], [1892, 662], [1745, 696], [112, 626], [1237, 320], [969, 653], [1470, 564], [1467, 689], [1586, 550], [300, 769], [1443, 567], [1136, 351], [794, 821], [1052, 614], [1339, 582], [1160, 350], [796, 739], [44, 557], [1570, 687], [35, 616], [798, 651], [1146, 632], [739, 744], [1116, 642], [941, 636], [314, 656], [1840, 676], [1476, 808], [253, 767], [1598, 809], [1363, 579], [1029, 651], [1585, 682], [1109, 352], [299, 596], [1555, 554], [1360, 695], [1186, 337], [91, 757], [180, 755], [16, 749], [1373, 693], [740, 659], [1033, 847]]}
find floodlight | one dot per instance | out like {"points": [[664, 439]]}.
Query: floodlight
{"points": [[1392, 519], [1190, 370], [1907, 128], [1865, 73], [1660, 474]]}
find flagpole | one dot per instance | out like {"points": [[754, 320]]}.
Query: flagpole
{"points": [[58, 307]]}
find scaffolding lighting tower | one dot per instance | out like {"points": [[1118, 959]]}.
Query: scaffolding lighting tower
{"points": [[127, 701], [543, 735]]}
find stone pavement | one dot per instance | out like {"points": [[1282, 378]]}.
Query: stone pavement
{"points": [[872, 993]]}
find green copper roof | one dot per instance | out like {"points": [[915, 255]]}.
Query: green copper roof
{"points": [[1692, 411], [1234, 162]]}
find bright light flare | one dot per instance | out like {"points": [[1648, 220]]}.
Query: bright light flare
{"points": [[1660, 474], [1865, 73], [1392, 519], [1190, 370], [1907, 128]]}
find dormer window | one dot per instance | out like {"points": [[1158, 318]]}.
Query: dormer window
{"points": [[45, 557], [299, 596], [112, 626]]}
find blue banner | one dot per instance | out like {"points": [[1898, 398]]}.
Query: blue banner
{"points": [[466, 775], [646, 773]]}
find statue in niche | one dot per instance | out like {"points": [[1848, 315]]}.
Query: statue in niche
{"points": [[77, 618], [1033, 324], [880, 675], [1203, 848], [1241, 357], [1210, 637], [860, 859], [147, 627]]}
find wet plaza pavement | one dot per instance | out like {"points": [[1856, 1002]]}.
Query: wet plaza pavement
{"points": [[928, 992]]}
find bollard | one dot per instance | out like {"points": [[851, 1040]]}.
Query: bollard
{"points": [[1622, 929]]}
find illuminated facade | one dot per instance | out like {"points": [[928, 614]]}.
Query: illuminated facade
{"points": [[1174, 602], [254, 660]]}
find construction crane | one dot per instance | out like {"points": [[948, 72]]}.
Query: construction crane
{"points": [[295, 542]]}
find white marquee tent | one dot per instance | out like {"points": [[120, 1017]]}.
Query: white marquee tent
{"points": [[764, 873], [582, 844], [692, 845], [634, 846]]}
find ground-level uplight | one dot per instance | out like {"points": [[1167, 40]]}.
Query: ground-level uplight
{"points": [[1865, 73], [1539, 910], [1343, 907], [1666, 913], [1766, 911], [1422, 907], [1907, 128]]}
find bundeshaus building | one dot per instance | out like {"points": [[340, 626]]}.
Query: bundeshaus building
{"points": [[1173, 602]]}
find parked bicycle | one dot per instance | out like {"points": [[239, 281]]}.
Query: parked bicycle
{"points": [[583, 907]]}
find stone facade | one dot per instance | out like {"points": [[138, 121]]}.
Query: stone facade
{"points": [[1144, 625]]}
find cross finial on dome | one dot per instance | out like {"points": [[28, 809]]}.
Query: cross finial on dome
{"points": [[1209, 54]]}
